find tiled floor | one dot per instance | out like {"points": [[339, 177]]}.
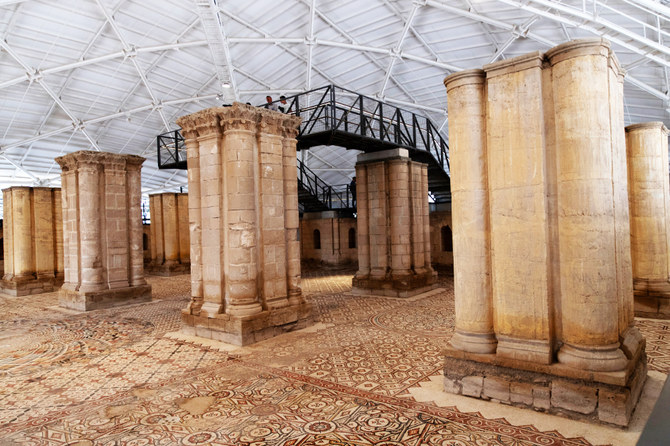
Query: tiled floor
{"points": [[367, 373]]}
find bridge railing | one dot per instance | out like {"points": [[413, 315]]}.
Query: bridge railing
{"points": [[333, 108], [171, 150], [333, 197]]}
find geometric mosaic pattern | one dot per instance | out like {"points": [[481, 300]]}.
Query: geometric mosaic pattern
{"points": [[112, 377]]}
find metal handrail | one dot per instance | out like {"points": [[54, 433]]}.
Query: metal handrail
{"points": [[333, 197]]}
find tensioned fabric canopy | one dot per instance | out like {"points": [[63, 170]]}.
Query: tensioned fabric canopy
{"points": [[112, 74]]}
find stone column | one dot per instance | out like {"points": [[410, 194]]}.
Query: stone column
{"points": [[33, 251], [559, 232], [243, 214], [470, 212], [103, 231], [169, 234], [587, 231], [391, 225], [518, 209], [649, 198]]}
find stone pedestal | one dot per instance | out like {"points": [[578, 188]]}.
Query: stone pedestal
{"points": [[393, 226], [102, 231], [170, 240], [243, 214], [33, 240], [649, 198], [541, 210]]}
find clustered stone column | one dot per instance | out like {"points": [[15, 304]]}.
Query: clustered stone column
{"points": [[243, 214], [393, 225], [649, 197], [170, 241], [542, 265], [33, 241], [102, 231]]}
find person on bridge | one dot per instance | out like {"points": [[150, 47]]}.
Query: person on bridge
{"points": [[283, 105], [269, 104], [352, 189]]}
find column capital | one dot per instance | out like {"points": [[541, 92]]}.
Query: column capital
{"points": [[654, 125], [200, 124], [466, 77], [595, 46]]}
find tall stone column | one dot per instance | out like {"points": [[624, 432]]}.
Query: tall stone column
{"points": [[102, 231], [470, 212], [32, 248], [559, 232], [243, 214], [170, 238], [518, 209], [587, 219], [649, 198], [391, 225]]}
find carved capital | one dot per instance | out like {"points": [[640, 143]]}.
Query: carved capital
{"points": [[200, 124], [290, 126], [239, 117]]}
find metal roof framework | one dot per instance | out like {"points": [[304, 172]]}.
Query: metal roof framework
{"points": [[112, 74]]}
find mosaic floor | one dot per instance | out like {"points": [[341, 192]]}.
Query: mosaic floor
{"points": [[367, 373]]}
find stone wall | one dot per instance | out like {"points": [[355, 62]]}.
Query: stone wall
{"points": [[243, 214], [542, 262], [32, 242], [336, 238], [102, 231], [441, 239]]}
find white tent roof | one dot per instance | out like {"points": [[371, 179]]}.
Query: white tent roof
{"points": [[112, 74]]}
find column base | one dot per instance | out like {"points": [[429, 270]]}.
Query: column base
{"points": [[474, 342], [245, 330], [167, 269], [27, 285], [405, 286], [652, 298], [602, 397], [95, 300]]}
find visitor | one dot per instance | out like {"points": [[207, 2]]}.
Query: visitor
{"points": [[269, 104], [352, 189], [283, 105]]}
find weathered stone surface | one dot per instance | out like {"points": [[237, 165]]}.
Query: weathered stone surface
{"points": [[102, 230], [32, 240], [521, 393], [496, 388], [540, 197], [649, 199], [573, 397], [170, 241], [243, 216], [472, 385], [393, 225]]}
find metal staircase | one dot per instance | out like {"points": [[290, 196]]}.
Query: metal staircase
{"points": [[333, 115]]}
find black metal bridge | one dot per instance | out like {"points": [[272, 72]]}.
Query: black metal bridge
{"points": [[336, 116]]}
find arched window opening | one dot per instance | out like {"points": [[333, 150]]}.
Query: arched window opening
{"points": [[317, 239], [447, 241], [352, 238], [2, 248], [145, 242]]}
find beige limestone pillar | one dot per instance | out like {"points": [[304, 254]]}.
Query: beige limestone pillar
{"points": [[517, 209], [102, 231], [559, 233], [170, 238], [590, 265], [32, 240], [649, 198], [391, 225], [243, 216], [470, 212]]}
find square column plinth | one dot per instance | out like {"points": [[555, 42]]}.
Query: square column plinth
{"points": [[393, 226], [170, 239], [102, 231], [542, 257], [243, 215], [33, 240]]}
